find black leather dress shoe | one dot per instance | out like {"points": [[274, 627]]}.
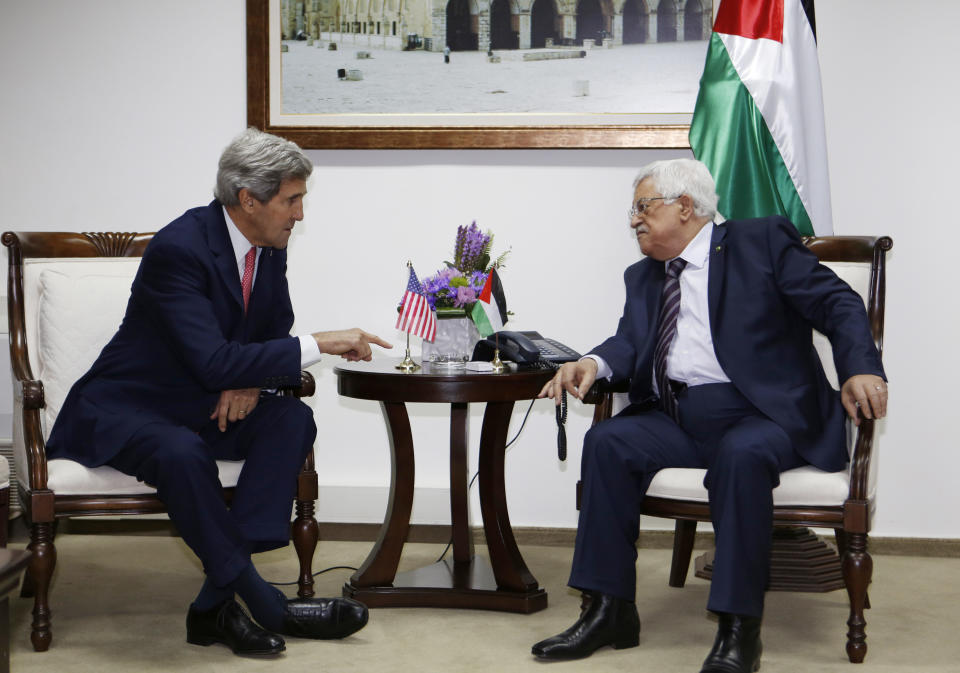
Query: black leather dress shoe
{"points": [[227, 623], [737, 648], [324, 618], [606, 621]]}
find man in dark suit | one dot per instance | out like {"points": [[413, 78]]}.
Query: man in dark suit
{"points": [[716, 341], [186, 381]]}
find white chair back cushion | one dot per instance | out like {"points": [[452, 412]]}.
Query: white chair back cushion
{"points": [[79, 311], [72, 309]]}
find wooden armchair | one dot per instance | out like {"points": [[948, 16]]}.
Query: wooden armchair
{"points": [[844, 501], [67, 294]]}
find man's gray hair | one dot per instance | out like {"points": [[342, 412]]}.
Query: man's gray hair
{"points": [[675, 177], [260, 162]]}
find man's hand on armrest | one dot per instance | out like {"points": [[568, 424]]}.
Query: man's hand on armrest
{"points": [[865, 392], [574, 377], [350, 344]]}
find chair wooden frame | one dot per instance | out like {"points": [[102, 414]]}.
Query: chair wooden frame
{"points": [[851, 521], [43, 507]]}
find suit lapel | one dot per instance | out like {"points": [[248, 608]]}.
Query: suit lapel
{"points": [[649, 290], [717, 274], [222, 250], [259, 297]]}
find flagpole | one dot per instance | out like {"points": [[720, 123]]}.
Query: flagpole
{"points": [[407, 365], [497, 363]]}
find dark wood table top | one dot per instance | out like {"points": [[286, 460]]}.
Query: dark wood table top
{"points": [[381, 380]]}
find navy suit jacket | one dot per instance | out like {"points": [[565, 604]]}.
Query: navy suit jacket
{"points": [[766, 292], [183, 340]]}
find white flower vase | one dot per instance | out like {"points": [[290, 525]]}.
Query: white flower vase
{"points": [[454, 342]]}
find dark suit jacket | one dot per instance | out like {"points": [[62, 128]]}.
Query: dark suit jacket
{"points": [[183, 340], [766, 291]]}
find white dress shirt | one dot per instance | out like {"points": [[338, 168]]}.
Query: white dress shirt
{"points": [[309, 350], [691, 358]]}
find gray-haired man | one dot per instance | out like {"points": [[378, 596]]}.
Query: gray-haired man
{"points": [[207, 329]]}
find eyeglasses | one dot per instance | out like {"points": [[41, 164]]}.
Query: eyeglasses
{"points": [[640, 207]]}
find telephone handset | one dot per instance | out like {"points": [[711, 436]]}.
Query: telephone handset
{"points": [[530, 349], [526, 349]]}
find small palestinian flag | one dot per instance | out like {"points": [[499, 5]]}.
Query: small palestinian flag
{"points": [[490, 311]]}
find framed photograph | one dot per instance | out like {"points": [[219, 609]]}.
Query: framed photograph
{"points": [[476, 74]]}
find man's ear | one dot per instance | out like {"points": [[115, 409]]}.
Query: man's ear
{"points": [[247, 200], [686, 207]]}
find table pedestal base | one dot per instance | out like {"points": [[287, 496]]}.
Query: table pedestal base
{"points": [[447, 584]]}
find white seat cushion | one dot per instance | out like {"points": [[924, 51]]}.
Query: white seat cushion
{"points": [[4, 473], [66, 477], [800, 486]]}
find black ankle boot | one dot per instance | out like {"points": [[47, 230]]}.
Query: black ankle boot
{"points": [[606, 621], [737, 648]]}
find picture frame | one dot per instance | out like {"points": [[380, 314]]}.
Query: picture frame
{"points": [[263, 56]]}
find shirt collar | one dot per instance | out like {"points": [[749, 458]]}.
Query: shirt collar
{"points": [[239, 242], [697, 250]]}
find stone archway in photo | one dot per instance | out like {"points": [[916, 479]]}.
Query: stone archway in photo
{"points": [[667, 21], [693, 21], [590, 21], [461, 32], [636, 22], [543, 19], [503, 28]]}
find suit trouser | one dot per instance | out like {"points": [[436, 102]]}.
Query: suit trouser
{"points": [[274, 440], [744, 453]]}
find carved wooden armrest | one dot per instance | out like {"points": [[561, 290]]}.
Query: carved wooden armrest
{"points": [[307, 387], [601, 394], [602, 389], [29, 393], [28, 400], [860, 462]]}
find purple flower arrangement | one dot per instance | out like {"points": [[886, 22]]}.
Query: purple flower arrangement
{"points": [[457, 285]]}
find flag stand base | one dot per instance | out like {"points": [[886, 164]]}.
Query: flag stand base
{"points": [[497, 363], [407, 365]]}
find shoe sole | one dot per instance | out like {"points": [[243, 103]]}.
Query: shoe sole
{"points": [[207, 642], [626, 644], [337, 633], [618, 645]]}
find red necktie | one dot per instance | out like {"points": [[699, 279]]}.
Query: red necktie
{"points": [[247, 283]]}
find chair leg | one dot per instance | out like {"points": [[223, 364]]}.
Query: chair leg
{"points": [[857, 571], [4, 515], [841, 537], [40, 571], [683, 536], [306, 534]]}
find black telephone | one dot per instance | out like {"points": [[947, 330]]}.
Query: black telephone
{"points": [[527, 349]]}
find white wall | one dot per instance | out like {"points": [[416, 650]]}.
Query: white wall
{"points": [[114, 115]]}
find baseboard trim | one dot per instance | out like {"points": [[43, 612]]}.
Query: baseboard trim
{"points": [[547, 537]]}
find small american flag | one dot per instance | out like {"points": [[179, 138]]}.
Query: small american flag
{"points": [[416, 316]]}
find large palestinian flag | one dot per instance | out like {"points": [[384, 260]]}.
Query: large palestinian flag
{"points": [[758, 122]]}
